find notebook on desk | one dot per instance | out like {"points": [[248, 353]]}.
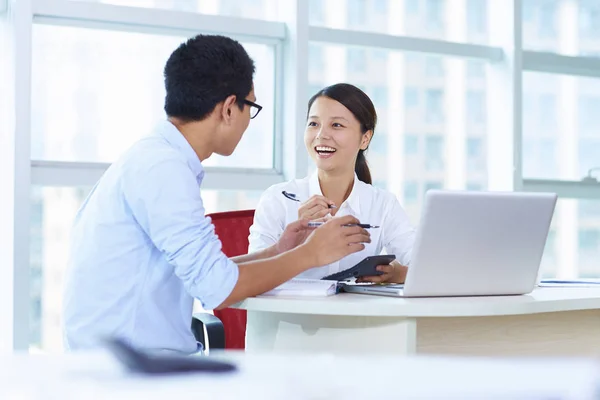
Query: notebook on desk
{"points": [[304, 288]]}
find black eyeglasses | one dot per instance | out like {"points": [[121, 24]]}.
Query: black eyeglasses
{"points": [[254, 108]]}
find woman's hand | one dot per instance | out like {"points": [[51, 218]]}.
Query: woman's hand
{"points": [[316, 207], [392, 273]]}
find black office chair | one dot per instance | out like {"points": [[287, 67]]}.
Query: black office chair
{"points": [[214, 331]]}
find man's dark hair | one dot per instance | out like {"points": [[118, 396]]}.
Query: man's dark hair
{"points": [[204, 71]]}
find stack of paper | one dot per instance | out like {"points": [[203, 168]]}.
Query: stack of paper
{"points": [[304, 287]]}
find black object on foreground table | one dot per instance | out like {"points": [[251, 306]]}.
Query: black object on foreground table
{"points": [[145, 363]]}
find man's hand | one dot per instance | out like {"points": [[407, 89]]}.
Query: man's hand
{"points": [[333, 240], [324, 245], [293, 236], [392, 273]]}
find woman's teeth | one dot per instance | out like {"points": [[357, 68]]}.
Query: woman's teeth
{"points": [[324, 149]]}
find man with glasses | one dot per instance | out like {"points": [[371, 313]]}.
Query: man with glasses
{"points": [[255, 108], [142, 247]]}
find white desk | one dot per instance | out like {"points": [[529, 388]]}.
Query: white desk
{"points": [[295, 377], [550, 321]]}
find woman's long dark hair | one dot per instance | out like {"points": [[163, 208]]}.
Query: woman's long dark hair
{"points": [[361, 106]]}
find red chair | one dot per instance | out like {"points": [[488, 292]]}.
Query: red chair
{"points": [[233, 229]]}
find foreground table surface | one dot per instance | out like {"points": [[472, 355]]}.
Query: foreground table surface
{"points": [[287, 376], [549, 321]]}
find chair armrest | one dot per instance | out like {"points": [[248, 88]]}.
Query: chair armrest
{"points": [[214, 330]]}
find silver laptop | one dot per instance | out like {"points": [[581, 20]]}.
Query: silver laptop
{"points": [[475, 244]]}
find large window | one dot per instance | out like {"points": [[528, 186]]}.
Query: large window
{"points": [[560, 113], [95, 92], [451, 110]]}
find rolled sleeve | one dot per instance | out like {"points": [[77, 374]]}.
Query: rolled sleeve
{"points": [[166, 202]]}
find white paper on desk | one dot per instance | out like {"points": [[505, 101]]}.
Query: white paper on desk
{"points": [[575, 283], [569, 285], [304, 287]]}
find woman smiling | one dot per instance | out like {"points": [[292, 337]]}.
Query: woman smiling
{"points": [[340, 125]]}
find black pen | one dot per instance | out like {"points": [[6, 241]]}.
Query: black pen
{"points": [[316, 224], [292, 196]]}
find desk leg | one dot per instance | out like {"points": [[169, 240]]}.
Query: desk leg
{"points": [[268, 331]]}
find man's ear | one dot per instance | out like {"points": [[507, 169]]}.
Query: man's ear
{"points": [[227, 110], [366, 139]]}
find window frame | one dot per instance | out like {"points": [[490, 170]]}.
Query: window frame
{"points": [[168, 23]]}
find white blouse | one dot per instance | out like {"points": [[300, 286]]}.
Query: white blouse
{"points": [[370, 205]]}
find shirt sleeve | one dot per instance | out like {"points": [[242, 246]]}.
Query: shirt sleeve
{"points": [[399, 235], [269, 222], [165, 200]]}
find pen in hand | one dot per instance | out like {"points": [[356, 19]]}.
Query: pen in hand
{"points": [[292, 196], [316, 224]]}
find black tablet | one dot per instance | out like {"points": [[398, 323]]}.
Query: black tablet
{"points": [[367, 267]]}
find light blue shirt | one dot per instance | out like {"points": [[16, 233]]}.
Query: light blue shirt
{"points": [[142, 249]]}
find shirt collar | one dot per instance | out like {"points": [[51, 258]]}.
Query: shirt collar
{"points": [[353, 200], [172, 135]]}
